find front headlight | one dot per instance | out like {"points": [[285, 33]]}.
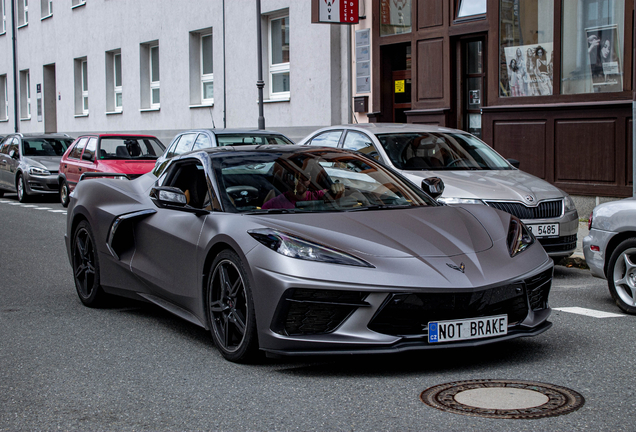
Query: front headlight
{"points": [[451, 200], [294, 247], [568, 203], [39, 171], [519, 238]]}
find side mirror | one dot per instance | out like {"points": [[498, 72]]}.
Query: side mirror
{"points": [[434, 186], [513, 162], [14, 154], [168, 196], [88, 157]]}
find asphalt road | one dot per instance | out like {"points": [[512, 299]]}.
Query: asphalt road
{"points": [[135, 367]]}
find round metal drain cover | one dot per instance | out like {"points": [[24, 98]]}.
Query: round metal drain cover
{"points": [[503, 399]]}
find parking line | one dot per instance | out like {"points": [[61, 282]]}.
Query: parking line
{"points": [[29, 206], [42, 208], [57, 211], [589, 312]]}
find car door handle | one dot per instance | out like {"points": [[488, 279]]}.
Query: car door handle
{"points": [[80, 170]]}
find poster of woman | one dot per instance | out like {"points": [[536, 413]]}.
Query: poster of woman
{"points": [[604, 60], [529, 69]]}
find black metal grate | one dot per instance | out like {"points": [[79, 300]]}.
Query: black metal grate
{"points": [[545, 209], [410, 313], [561, 244], [310, 312]]}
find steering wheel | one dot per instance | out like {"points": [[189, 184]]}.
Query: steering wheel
{"points": [[454, 161]]}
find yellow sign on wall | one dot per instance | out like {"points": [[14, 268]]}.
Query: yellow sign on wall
{"points": [[399, 86]]}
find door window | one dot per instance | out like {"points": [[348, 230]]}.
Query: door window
{"points": [[89, 153], [327, 139], [203, 141], [77, 150], [362, 143]]}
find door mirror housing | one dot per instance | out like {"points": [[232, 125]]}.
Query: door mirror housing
{"points": [[173, 198], [14, 155], [514, 162], [87, 157], [434, 186]]}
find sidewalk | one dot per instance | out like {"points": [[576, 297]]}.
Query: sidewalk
{"points": [[578, 259]]}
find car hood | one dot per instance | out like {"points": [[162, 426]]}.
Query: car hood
{"points": [[509, 185], [127, 166], [615, 215], [51, 163], [397, 233]]}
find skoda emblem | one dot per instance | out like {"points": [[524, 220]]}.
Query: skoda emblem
{"points": [[461, 267], [529, 198]]}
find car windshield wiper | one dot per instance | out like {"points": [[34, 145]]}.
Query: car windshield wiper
{"points": [[381, 207], [277, 211]]}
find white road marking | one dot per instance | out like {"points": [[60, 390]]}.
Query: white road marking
{"points": [[15, 203], [57, 211], [42, 208], [589, 312], [29, 206]]}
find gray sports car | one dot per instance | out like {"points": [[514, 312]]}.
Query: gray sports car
{"points": [[307, 250]]}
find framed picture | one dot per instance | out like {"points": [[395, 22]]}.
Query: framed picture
{"points": [[530, 69]]}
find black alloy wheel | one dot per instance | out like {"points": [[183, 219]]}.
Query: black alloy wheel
{"points": [[21, 188], [86, 266], [231, 309], [64, 194]]}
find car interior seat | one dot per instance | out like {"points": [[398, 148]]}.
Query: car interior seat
{"points": [[121, 151], [28, 150]]}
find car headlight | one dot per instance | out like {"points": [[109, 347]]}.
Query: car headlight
{"points": [[568, 203], [519, 238], [294, 247], [39, 171], [451, 200]]}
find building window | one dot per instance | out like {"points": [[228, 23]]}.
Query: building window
{"points": [[4, 98], [3, 5], [593, 41], [113, 81], [526, 48], [46, 8], [469, 8], [81, 86], [76, 3], [25, 95], [149, 75], [279, 57], [395, 17], [23, 12], [201, 68]]}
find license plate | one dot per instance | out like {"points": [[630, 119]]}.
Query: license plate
{"points": [[474, 328], [544, 230]]}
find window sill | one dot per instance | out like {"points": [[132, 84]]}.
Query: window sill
{"points": [[114, 112], [78, 5], [204, 105], [3, 33], [81, 115], [23, 25], [25, 118], [287, 99], [4, 120], [46, 17], [149, 109]]}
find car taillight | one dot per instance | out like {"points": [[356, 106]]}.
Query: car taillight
{"points": [[589, 222]]}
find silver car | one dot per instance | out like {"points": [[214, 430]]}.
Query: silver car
{"points": [[610, 249], [29, 163], [472, 172]]}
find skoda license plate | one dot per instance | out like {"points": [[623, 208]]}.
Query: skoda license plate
{"points": [[544, 230], [475, 328]]}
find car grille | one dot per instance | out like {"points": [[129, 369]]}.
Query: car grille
{"points": [[560, 244], [545, 209], [311, 312]]}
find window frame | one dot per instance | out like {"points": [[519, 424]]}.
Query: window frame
{"points": [[23, 13], [25, 94], [3, 5], [46, 9], [209, 77], [117, 89], [5, 99], [154, 85], [84, 85], [279, 68]]}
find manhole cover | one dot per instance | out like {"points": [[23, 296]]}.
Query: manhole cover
{"points": [[503, 399]]}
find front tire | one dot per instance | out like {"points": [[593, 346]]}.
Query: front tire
{"points": [[86, 267], [621, 275], [231, 309], [64, 194], [21, 188]]}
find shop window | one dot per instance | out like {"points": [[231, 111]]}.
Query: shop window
{"points": [[593, 40], [470, 8], [395, 17], [526, 52]]}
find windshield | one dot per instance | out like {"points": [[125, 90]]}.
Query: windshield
{"points": [[248, 139], [45, 146], [130, 148], [440, 151], [319, 180]]}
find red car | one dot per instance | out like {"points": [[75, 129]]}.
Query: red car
{"points": [[132, 155]]}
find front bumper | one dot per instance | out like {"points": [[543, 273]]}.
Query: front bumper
{"points": [[330, 319], [596, 259], [563, 245], [36, 184]]}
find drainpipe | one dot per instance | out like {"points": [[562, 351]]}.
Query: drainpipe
{"points": [[15, 68], [260, 83]]}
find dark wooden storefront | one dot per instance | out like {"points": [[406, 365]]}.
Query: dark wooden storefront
{"points": [[581, 143]]}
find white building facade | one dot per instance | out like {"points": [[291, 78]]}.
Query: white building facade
{"points": [[162, 66]]}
